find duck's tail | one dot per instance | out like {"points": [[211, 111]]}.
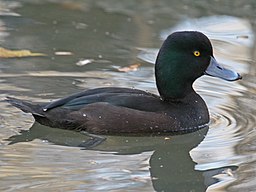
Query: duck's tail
{"points": [[27, 107]]}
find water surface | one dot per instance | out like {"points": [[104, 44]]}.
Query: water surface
{"points": [[100, 39]]}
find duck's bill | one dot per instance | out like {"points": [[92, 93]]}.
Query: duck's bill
{"points": [[215, 70]]}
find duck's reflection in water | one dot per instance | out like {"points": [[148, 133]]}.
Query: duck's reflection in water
{"points": [[170, 165]]}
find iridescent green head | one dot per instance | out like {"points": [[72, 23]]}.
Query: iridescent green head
{"points": [[184, 57]]}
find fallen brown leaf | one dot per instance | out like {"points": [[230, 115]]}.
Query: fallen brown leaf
{"points": [[133, 67]]}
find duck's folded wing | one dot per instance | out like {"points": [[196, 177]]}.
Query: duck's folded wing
{"points": [[92, 96], [122, 120]]}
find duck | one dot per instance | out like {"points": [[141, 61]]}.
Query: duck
{"points": [[183, 57]]}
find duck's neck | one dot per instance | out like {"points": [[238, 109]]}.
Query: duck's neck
{"points": [[172, 81]]}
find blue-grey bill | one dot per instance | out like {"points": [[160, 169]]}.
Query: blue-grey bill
{"points": [[215, 70]]}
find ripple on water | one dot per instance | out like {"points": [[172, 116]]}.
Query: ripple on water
{"points": [[58, 170], [232, 129]]}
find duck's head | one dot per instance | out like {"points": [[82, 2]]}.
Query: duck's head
{"points": [[184, 57]]}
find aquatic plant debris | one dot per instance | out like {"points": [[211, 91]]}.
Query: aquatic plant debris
{"points": [[6, 53]]}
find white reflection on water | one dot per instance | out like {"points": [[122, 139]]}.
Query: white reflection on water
{"points": [[232, 39]]}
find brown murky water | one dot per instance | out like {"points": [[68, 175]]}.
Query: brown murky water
{"points": [[113, 43]]}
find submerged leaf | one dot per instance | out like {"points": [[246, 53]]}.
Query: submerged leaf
{"points": [[74, 6], [5, 53]]}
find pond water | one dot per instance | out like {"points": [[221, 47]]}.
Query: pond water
{"points": [[92, 44]]}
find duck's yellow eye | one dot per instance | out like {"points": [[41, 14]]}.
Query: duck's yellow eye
{"points": [[197, 53]]}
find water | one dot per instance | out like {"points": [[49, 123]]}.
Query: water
{"points": [[110, 35]]}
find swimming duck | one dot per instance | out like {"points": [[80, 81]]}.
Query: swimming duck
{"points": [[183, 57]]}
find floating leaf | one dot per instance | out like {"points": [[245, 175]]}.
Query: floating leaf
{"points": [[5, 53], [133, 67]]}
